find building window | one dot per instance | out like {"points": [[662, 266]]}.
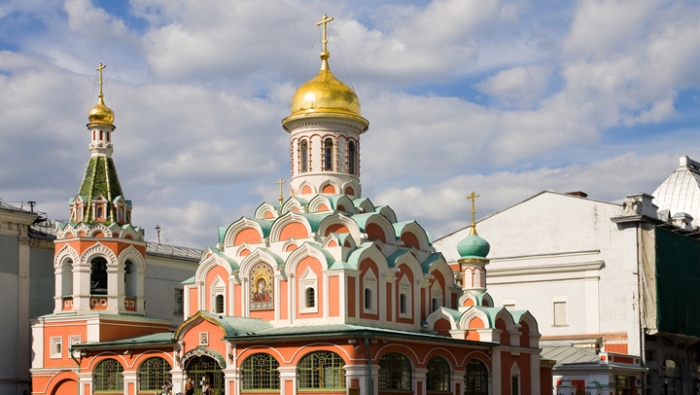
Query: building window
{"points": [[56, 347], [260, 371], [310, 297], [98, 211], [405, 306], [304, 156], [178, 303], [328, 154], [73, 340], [107, 376], [219, 304], [351, 157], [98, 276], [515, 385], [370, 292], [130, 279], [438, 376], [560, 313], [321, 369], [67, 277], [153, 374], [308, 283], [394, 372], [476, 380]]}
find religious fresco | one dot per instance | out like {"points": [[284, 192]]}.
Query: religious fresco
{"points": [[261, 287]]}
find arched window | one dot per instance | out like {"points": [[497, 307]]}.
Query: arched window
{"points": [[153, 373], [205, 369], [351, 157], [321, 369], [394, 372], [403, 308], [436, 304], [67, 277], [476, 380], [219, 301], [130, 279], [107, 376], [98, 211], [438, 376], [328, 154], [310, 297], [260, 371], [98, 276], [368, 298], [304, 156]]}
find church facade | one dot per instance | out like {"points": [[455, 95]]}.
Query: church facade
{"points": [[322, 293]]}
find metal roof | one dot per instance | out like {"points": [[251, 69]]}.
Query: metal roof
{"points": [[680, 192], [171, 251]]}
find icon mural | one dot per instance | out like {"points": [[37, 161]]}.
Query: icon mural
{"points": [[261, 288]]}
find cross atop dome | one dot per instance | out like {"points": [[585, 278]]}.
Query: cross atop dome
{"points": [[325, 54]]}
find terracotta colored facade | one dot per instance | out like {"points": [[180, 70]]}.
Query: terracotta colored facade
{"points": [[324, 293]]}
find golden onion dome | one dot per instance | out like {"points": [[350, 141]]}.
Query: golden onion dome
{"points": [[325, 95], [101, 113]]}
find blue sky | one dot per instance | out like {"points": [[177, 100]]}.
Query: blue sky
{"points": [[506, 98]]}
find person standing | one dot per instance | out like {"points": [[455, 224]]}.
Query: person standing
{"points": [[189, 387]]}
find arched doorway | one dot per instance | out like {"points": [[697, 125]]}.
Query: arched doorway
{"points": [[205, 368]]}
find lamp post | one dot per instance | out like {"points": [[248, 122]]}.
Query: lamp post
{"points": [[665, 385]]}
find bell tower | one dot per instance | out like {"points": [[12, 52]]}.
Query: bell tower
{"points": [[100, 260], [325, 125]]}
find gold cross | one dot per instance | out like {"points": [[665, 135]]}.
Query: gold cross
{"points": [[280, 182], [323, 22], [99, 70], [473, 197]]}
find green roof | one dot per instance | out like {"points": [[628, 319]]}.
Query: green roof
{"points": [[100, 179], [152, 339]]}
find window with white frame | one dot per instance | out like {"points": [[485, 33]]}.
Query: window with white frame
{"points": [[56, 347], [218, 299], [178, 302], [559, 310], [370, 293], [308, 284], [405, 305], [435, 296], [73, 340]]}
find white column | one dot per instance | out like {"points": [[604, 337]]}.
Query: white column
{"points": [[288, 374], [83, 379], [458, 378], [419, 377], [359, 372], [130, 378], [495, 376], [535, 373]]}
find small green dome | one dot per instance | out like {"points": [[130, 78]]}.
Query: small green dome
{"points": [[473, 246]]}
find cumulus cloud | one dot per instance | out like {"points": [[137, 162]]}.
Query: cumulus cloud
{"points": [[518, 85], [461, 96]]}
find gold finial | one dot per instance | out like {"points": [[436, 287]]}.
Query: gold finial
{"points": [[473, 197], [324, 54], [280, 182], [101, 113], [99, 70]]}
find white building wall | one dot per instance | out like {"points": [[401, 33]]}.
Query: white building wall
{"points": [[558, 247]]}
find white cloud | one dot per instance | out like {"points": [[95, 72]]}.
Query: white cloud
{"points": [[521, 85], [442, 207]]}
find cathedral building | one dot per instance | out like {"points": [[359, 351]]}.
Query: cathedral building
{"points": [[324, 293]]}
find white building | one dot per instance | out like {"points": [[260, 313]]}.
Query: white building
{"points": [[580, 265]]}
